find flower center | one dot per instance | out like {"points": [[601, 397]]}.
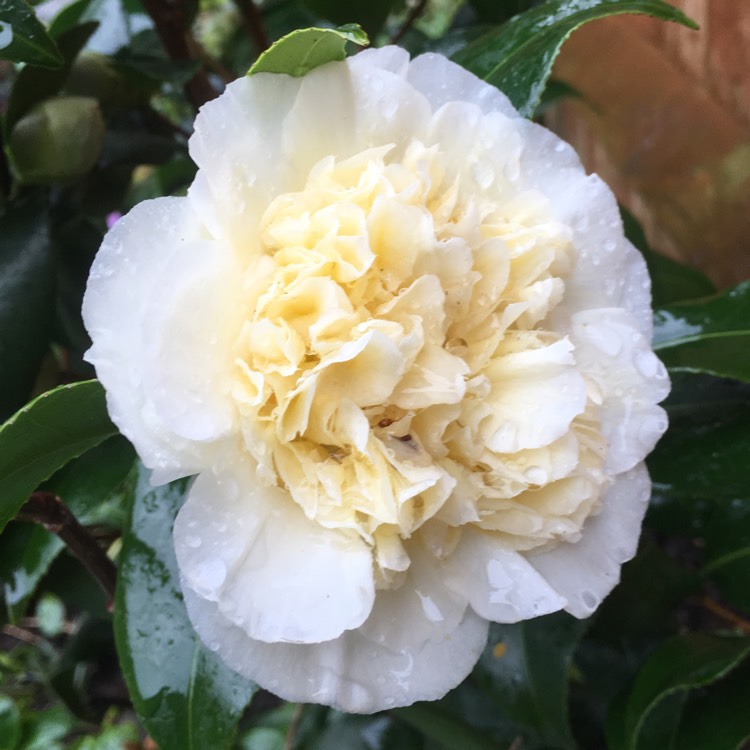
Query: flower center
{"points": [[395, 341]]}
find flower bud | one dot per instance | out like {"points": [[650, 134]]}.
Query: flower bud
{"points": [[58, 140]]}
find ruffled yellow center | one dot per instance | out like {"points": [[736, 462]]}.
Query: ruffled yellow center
{"points": [[394, 344]]}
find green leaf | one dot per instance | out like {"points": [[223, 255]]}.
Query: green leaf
{"points": [[27, 284], [718, 719], [554, 92], [23, 38], [727, 550], [679, 664], [184, 694], [646, 599], [92, 488], [699, 468], [518, 56], [704, 453], [28, 551], [93, 485], [306, 49], [451, 733], [33, 84], [43, 436], [709, 335], [670, 281], [526, 669], [10, 723]]}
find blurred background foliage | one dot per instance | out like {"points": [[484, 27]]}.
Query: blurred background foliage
{"points": [[97, 99]]}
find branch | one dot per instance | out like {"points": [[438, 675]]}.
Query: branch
{"points": [[726, 614], [416, 11], [47, 509], [291, 733], [253, 24], [170, 21]]}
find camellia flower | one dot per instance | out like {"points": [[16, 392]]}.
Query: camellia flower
{"points": [[401, 339]]}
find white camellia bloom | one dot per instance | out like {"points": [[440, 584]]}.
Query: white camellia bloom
{"points": [[399, 335]]}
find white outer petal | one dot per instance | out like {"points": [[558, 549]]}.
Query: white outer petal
{"points": [[501, 585], [586, 571], [608, 271], [237, 145], [129, 266], [442, 81], [617, 357], [191, 328], [273, 573], [350, 673]]}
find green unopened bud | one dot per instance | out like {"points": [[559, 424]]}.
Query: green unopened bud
{"points": [[59, 140], [92, 74]]}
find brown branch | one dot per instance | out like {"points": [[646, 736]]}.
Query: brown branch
{"points": [[415, 12], [291, 733], [47, 509], [20, 634], [171, 23], [726, 614], [253, 24]]}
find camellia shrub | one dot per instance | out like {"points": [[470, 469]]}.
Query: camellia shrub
{"points": [[340, 408]]}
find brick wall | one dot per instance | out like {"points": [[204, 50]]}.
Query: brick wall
{"points": [[665, 119]]}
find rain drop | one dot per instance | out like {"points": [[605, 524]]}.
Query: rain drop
{"points": [[590, 600]]}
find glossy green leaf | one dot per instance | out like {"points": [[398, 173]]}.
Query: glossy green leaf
{"points": [[92, 488], [703, 455], [33, 84], [645, 601], [23, 38], [727, 549], [47, 433], [717, 719], [709, 335], [554, 92], [451, 733], [184, 694], [306, 49], [679, 664], [10, 723], [384, 731], [370, 15], [491, 11], [27, 286], [670, 281], [28, 551], [526, 670], [518, 56], [93, 485]]}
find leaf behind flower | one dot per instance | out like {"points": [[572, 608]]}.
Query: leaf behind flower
{"points": [[710, 335], [304, 50], [184, 694], [29, 41], [47, 433], [517, 57]]}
